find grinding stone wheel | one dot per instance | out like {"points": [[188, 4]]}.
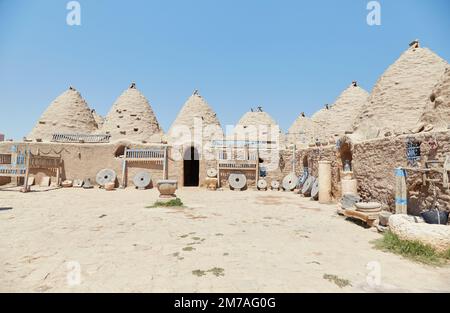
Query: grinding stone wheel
{"points": [[315, 190], [307, 186], [211, 172], [290, 182], [78, 183], [368, 207], [237, 181], [87, 184], [302, 180], [275, 184], [262, 184], [142, 179], [105, 176]]}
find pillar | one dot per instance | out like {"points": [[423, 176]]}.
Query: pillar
{"points": [[401, 201], [324, 182]]}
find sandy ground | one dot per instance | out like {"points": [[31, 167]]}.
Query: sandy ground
{"points": [[259, 242]]}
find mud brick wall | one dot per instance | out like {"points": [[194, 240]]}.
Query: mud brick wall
{"points": [[82, 161], [374, 163], [310, 157]]}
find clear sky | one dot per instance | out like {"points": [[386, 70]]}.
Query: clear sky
{"points": [[286, 56]]}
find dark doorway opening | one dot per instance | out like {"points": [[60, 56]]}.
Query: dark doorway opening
{"points": [[191, 167], [346, 156]]}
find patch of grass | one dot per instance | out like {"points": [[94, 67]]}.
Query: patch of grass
{"points": [[413, 250], [340, 282], [446, 255], [226, 254], [196, 238], [199, 273], [217, 271], [169, 204], [219, 234], [188, 249]]}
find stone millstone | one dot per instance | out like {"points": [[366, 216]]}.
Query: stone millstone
{"points": [[262, 184], [105, 176], [315, 190], [368, 207], [290, 182], [275, 185], [307, 186], [142, 180], [87, 184], [211, 172], [78, 183], [237, 181]]}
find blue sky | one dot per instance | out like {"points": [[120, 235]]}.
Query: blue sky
{"points": [[287, 56]]}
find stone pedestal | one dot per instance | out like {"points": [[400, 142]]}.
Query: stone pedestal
{"points": [[349, 186]]}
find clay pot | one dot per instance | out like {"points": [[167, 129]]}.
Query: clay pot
{"points": [[211, 183], [110, 186], [167, 188]]}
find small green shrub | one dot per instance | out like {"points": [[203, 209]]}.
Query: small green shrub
{"points": [[172, 203], [340, 282]]}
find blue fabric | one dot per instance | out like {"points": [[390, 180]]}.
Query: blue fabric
{"points": [[401, 201], [399, 172]]}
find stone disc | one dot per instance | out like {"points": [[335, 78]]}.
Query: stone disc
{"points": [[211, 172], [368, 207], [289, 182], [275, 184], [142, 179], [105, 176], [262, 184], [302, 180], [307, 186], [78, 183], [87, 183], [237, 181], [315, 190]]}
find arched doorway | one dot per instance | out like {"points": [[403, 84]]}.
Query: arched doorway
{"points": [[305, 164], [191, 167], [346, 155]]}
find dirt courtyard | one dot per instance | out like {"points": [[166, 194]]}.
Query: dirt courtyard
{"points": [[221, 241]]}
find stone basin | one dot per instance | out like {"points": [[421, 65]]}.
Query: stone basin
{"points": [[167, 188]]}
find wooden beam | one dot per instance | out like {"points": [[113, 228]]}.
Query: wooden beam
{"points": [[27, 172], [124, 168]]}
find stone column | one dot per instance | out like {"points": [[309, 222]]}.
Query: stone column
{"points": [[401, 192], [324, 182]]}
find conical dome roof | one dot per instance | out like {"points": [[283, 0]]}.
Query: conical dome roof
{"points": [[98, 118], [256, 119], [340, 117], [437, 112], [197, 110], [132, 118], [400, 95], [303, 131], [257, 125], [68, 113]]}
